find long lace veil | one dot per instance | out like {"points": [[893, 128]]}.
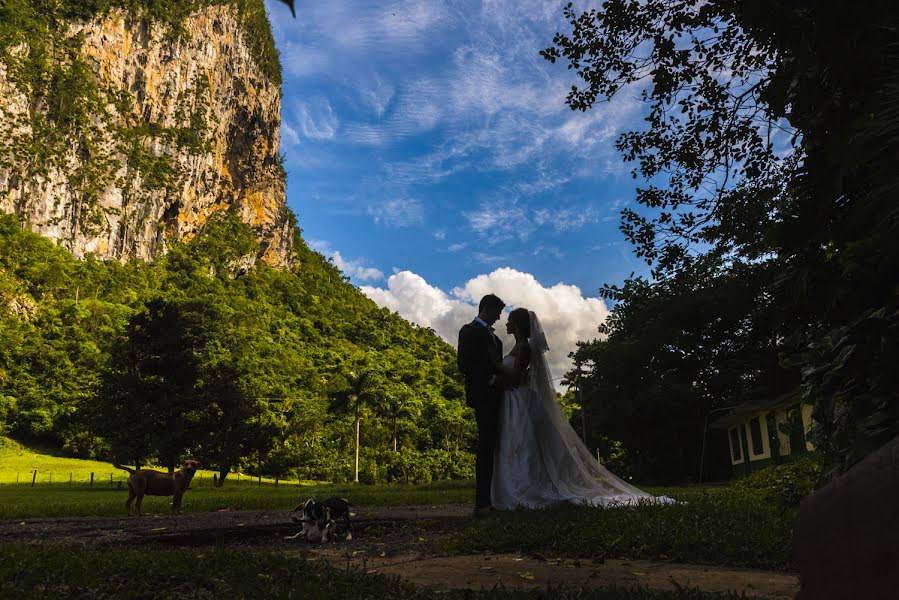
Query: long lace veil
{"points": [[576, 472]]}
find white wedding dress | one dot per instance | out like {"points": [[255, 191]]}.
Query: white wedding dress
{"points": [[540, 460]]}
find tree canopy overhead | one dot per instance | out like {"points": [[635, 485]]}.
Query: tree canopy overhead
{"points": [[770, 144]]}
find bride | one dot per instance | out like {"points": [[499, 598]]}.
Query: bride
{"points": [[539, 459]]}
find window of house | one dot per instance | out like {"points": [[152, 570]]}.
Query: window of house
{"points": [[735, 452], [755, 433]]}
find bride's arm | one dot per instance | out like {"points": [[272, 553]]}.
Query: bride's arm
{"points": [[514, 375]]}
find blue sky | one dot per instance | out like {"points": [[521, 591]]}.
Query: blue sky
{"points": [[430, 153]]}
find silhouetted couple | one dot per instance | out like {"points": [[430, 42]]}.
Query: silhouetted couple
{"points": [[528, 455]]}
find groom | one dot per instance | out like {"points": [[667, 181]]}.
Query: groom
{"points": [[479, 351]]}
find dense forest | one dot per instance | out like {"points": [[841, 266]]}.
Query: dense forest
{"points": [[240, 365], [767, 211]]}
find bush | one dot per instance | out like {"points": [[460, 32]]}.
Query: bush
{"points": [[414, 466], [785, 485]]}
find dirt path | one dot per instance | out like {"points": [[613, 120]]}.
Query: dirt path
{"points": [[405, 541]]}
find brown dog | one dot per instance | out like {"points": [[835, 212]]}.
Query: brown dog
{"points": [[156, 483]]}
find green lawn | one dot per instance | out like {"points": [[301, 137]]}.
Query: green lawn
{"points": [[709, 526], [716, 525], [24, 501], [123, 574]]}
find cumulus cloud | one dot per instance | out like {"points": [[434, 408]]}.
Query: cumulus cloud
{"points": [[566, 314]]}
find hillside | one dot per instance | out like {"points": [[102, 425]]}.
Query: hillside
{"points": [[267, 348]]}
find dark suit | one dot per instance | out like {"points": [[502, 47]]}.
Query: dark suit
{"points": [[479, 350]]}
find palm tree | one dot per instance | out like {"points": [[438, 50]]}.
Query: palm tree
{"points": [[359, 389], [395, 407]]}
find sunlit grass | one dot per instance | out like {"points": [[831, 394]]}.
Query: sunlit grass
{"points": [[18, 465], [43, 500], [62, 488]]}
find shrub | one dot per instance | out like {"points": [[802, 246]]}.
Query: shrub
{"points": [[785, 485]]}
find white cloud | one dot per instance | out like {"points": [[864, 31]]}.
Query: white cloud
{"points": [[500, 220], [377, 96], [289, 135], [566, 314], [399, 212], [316, 119], [566, 219], [466, 75], [354, 268]]}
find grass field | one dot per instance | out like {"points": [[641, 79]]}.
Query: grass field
{"points": [[710, 525], [713, 526], [43, 500], [62, 489], [18, 465]]}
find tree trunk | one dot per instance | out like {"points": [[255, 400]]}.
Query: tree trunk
{"points": [[222, 474], [356, 466]]}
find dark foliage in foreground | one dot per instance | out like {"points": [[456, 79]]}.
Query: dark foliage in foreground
{"points": [[35, 572], [766, 207]]}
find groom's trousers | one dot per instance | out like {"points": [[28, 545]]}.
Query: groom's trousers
{"points": [[487, 417]]}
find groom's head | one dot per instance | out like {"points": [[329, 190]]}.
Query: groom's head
{"points": [[490, 308]]}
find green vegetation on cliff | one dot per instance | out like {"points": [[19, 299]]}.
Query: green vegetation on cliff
{"points": [[69, 115], [36, 23], [239, 366]]}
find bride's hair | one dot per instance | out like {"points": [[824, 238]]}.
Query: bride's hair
{"points": [[522, 319]]}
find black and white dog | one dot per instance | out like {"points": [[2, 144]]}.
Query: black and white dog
{"points": [[319, 519]]}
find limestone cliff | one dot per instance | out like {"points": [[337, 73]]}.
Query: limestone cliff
{"points": [[120, 132]]}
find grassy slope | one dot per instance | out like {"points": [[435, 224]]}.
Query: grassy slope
{"points": [[17, 464]]}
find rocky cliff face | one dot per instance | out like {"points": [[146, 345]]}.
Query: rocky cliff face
{"points": [[118, 134]]}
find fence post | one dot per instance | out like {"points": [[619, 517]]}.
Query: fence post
{"points": [[17, 477], [51, 478], [215, 480], [276, 482], [260, 480], [92, 480], [33, 477], [110, 479], [70, 478]]}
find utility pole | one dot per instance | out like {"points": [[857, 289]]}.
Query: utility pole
{"points": [[580, 399]]}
